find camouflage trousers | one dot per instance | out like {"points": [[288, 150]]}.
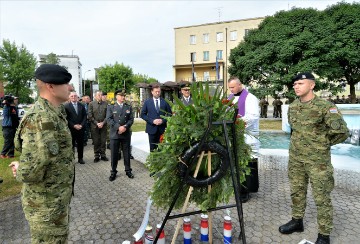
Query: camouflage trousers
{"points": [[37, 238], [321, 176]]}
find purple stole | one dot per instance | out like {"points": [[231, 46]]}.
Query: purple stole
{"points": [[241, 102]]}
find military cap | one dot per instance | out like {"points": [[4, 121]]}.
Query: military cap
{"points": [[53, 74], [185, 85], [303, 76], [120, 92]]}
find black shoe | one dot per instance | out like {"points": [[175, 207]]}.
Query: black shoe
{"points": [[130, 175], [96, 160], [244, 197], [112, 177], [131, 156], [294, 225], [81, 161], [104, 158], [323, 239]]}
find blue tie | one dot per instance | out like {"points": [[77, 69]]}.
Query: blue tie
{"points": [[157, 105]]}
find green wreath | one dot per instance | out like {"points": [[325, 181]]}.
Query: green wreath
{"points": [[184, 129]]}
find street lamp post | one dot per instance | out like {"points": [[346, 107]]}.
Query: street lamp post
{"points": [[84, 81]]}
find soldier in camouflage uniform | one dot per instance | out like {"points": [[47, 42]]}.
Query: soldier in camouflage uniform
{"points": [[46, 165], [316, 125]]}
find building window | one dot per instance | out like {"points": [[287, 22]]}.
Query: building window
{"points": [[206, 76], [219, 54], [206, 38], [192, 39], [233, 35], [206, 55], [247, 32], [219, 37], [192, 57]]}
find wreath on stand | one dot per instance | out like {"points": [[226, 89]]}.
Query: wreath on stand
{"points": [[185, 128]]}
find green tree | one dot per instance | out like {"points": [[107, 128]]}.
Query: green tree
{"points": [[341, 62], [140, 78], [52, 58], [284, 44], [113, 77], [17, 66]]}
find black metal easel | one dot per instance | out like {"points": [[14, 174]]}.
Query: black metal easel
{"points": [[235, 175]]}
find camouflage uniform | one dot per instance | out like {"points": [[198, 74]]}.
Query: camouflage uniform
{"points": [[47, 170], [316, 126]]}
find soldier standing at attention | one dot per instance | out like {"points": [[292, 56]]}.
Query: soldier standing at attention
{"points": [[97, 117], [263, 107], [316, 125], [46, 165], [120, 119]]}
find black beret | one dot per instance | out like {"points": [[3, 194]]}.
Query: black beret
{"points": [[53, 74], [120, 92], [185, 85], [303, 76]]}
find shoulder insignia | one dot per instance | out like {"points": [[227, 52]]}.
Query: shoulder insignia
{"points": [[53, 147], [333, 110]]}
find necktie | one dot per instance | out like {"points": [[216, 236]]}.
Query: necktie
{"points": [[75, 107], [157, 105]]}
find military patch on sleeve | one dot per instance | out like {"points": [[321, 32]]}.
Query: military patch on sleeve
{"points": [[53, 148], [333, 110], [335, 125]]}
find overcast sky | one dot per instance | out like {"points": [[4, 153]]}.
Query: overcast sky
{"points": [[139, 34]]}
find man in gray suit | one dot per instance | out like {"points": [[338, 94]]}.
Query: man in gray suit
{"points": [[185, 91], [120, 119]]}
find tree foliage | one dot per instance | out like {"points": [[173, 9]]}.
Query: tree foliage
{"points": [[342, 61], [52, 58], [114, 77], [140, 78], [296, 41], [17, 66]]}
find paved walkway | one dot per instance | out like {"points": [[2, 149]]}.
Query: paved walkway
{"points": [[111, 212]]}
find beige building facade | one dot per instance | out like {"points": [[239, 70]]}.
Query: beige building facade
{"points": [[202, 51]]}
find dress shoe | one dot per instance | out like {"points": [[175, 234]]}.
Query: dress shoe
{"points": [[294, 225], [96, 160], [81, 161], [244, 197], [130, 175], [131, 156], [112, 177], [323, 239], [104, 158]]}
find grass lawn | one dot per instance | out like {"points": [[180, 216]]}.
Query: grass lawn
{"points": [[11, 187]]}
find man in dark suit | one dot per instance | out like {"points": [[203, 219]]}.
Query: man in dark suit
{"points": [[120, 119], [76, 117], [185, 91], [151, 111]]}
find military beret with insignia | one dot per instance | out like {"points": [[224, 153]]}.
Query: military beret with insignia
{"points": [[53, 74], [120, 92], [303, 76]]}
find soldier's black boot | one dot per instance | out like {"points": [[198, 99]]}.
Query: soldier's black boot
{"points": [[323, 239], [294, 225]]}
